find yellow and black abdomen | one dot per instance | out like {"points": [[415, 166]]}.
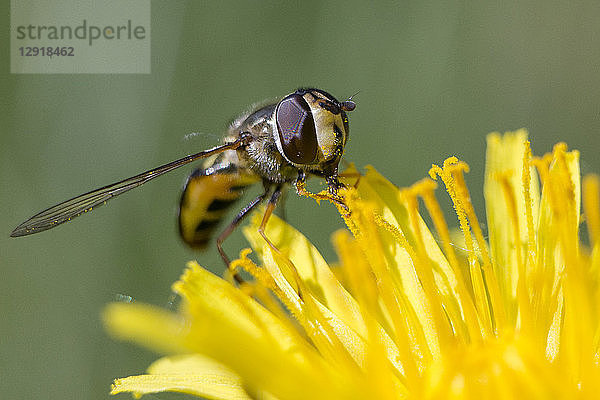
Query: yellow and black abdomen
{"points": [[206, 198]]}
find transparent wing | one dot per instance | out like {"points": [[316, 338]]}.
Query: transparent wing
{"points": [[76, 206]]}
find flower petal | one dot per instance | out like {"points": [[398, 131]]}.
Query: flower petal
{"points": [[192, 374], [310, 266], [232, 328], [507, 210], [150, 326]]}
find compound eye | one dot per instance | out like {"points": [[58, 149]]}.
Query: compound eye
{"points": [[296, 128]]}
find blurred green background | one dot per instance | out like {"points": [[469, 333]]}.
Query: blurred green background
{"points": [[434, 79]]}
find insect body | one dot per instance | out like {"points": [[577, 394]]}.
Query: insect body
{"points": [[278, 144], [208, 194]]}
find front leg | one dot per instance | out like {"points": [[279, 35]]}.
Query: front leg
{"points": [[333, 185]]}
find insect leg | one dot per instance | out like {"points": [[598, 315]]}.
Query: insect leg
{"points": [[331, 195], [268, 211], [280, 211], [232, 226]]}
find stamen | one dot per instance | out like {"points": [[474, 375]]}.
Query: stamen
{"points": [[526, 180], [451, 170], [425, 189]]}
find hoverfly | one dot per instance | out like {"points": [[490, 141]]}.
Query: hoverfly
{"points": [[277, 144]]}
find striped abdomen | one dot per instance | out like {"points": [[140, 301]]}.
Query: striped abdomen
{"points": [[206, 197]]}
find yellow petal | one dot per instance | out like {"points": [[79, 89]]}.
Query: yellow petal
{"points": [[192, 374], [352, 340], [153, 327], [417, 263], [310, 266], [501, 369], [232, 328], [504, 167]]}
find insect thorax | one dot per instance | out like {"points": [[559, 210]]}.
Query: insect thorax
{"points": [[260, 155]]}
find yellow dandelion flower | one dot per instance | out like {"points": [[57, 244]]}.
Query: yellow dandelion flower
{"points": [[406, 313]]}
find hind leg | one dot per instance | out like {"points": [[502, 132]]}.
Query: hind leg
{"points": [[232, 226]]}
